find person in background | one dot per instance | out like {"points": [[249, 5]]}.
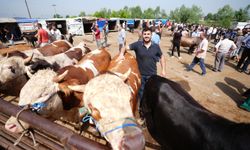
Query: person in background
{"points": [[222, 48], [200, 54], [93, 30], [42, 36], [105, 33], [97, 34], [121, 37], [245, 58], [9, 36], [55, 33], [176, 42], [155, 37]]}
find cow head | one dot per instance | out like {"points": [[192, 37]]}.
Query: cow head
{"points": [[41, 93], [109, 98], [12, 68]]}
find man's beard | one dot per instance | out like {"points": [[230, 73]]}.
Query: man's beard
{"points": [[146, 41]]}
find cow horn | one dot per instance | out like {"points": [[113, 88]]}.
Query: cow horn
{"points": [[7, 55], [29, 74], [77, 88], [124, 76], [28, 59], [60, 77]]}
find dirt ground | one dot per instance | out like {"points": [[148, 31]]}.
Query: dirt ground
{"points": [[219, 92]]}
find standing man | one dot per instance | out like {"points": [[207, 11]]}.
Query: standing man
{"points": [[155, 37], [222, 48], [246, 52], [9, 36], [42, 36], [177, 42], [200, 54], [147, 54], [105, 33], [97, 34], [55, 33], [121, 37]]}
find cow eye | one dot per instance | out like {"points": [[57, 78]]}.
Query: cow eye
{"points": [[11, 69]]}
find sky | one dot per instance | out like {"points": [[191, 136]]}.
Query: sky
{"points": [[44, 8]]}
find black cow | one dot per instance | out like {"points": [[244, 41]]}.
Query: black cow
{"points": [[29, 37], [177, 122]]}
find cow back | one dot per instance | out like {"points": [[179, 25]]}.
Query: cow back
{"points": [[134, 78], [55, 48], [189, 41], [176, 120], [92, 64]]}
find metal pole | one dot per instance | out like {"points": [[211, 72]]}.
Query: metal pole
{"points": [[54, 6], [28, 8], [64, 135]]}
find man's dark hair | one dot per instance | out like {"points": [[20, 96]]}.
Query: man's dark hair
{"points": [[39, 25], [146, 29]]}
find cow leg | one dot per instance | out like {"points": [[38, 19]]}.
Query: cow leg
{"points": [[191, 49]]}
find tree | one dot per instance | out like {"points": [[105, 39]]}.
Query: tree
{"points": [[136, 12], [57, 16], [157, 12], [186, 15], [225, 16], [241, 15], [164, 14], [148, 13], [82, 14]]}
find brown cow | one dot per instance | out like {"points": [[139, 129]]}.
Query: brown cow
{"points": [[14, 69], [134, 79], [109, 97], [52, 89], [190, 42]]}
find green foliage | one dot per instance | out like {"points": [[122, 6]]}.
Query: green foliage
{"points": [[57, 16], [132, 12], [241, 15], [136, 12], [226, 15], [82, 14], [186, 15]]}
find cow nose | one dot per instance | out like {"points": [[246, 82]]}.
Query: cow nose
{"points": [[133, 142]]}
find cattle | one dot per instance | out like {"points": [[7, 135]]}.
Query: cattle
{"points": [[109, 97], [15, 69], [177, 121], [51, 49], [51, 89], [190, 42], [29, 37]]}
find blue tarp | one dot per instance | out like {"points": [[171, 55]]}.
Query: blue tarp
{"points": [[130, 22], [25, 20], [101, 23]]}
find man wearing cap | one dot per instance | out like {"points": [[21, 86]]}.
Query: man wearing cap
{"points": [[221, 49]]}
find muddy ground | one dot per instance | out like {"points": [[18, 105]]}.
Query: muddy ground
{"points": [[219, 92]]}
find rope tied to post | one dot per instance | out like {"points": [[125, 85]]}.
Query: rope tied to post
{"points": [[25, 132]]}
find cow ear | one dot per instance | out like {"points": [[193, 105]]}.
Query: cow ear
{"points": [[77, 88], [28, 59], [60, 77]]}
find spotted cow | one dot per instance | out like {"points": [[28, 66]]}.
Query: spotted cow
{"points": [[51, 90], [15, 70], [111, 97]]}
